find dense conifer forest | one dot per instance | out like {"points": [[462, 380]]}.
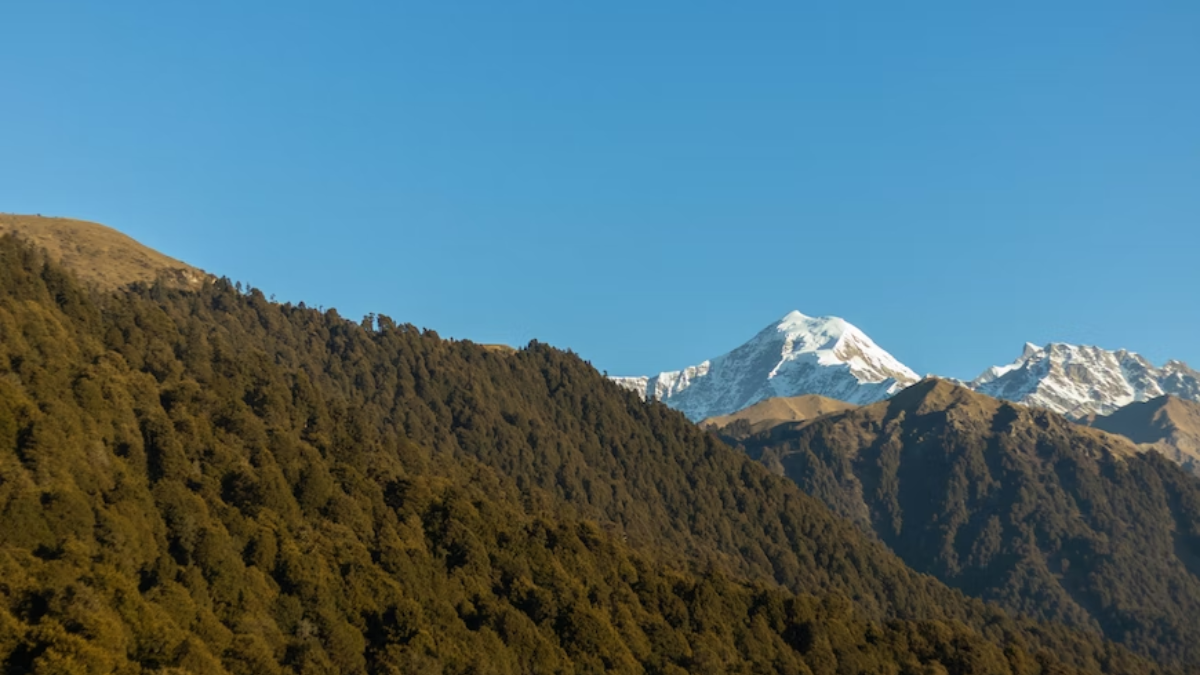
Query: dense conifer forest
{"points": [[205, 481]]}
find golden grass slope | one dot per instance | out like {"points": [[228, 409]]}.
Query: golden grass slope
{"points": [[1167, 424], [100, 254], [775, 411]]}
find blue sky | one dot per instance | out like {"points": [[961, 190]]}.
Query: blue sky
{"points": [[646, 183]]}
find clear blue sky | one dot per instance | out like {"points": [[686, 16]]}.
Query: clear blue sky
{"points": [[647, 183]]}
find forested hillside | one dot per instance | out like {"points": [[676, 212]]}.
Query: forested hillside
{"points": [[210, 482], [1015, 505]]}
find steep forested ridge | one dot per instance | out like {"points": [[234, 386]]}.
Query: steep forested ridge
{"points": [[210, 482], [1015, 505]]}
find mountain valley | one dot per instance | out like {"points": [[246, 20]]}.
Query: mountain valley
{"points": [[194, 478]]}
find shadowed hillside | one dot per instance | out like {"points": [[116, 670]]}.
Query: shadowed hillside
{"points": [[1015, 505]]}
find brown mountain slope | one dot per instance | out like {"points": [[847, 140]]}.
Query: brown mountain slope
{"points": [[209, 482], [1013, 504], [775, 411], [1167, 424], [100, 254]]}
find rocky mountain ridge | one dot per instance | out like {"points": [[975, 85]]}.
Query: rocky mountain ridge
{"points": [[1078, 381], [830, 357], [798, 354]]}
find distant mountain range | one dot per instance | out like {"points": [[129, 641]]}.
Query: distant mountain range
{"points": [[828, 356], [1080, 381]]}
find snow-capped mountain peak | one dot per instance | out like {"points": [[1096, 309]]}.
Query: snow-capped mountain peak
{"points": [[1078, 381], [796, 355], [1030, 350]]}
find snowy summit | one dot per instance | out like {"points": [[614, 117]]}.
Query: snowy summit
{"points": [[796, 355], [1078, 381]]}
